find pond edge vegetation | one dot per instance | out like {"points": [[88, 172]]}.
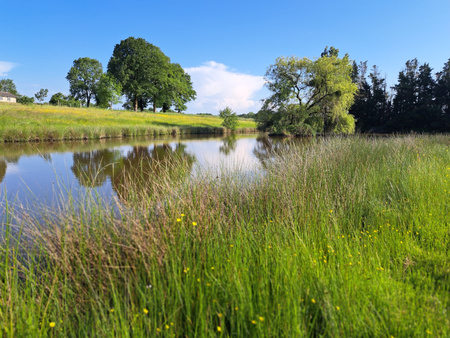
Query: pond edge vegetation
{"points": [[340, 237], [20, 123]]}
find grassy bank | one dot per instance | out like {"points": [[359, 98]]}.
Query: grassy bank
{"points": [[342, 237], [43, 122]]}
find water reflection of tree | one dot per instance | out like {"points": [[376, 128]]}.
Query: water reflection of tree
{"points": [[93, 168], [146, 170], [3, 166], [141, 170], [267, 147], [229, 144]]}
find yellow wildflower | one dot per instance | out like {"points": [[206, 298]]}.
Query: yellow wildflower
{"points": [[52, 324], [145, 311], [219, 329]]}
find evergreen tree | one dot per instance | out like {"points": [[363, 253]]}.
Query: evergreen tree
{"points": [[405, 100], [443, 97], [426, 115], [371, 107]]}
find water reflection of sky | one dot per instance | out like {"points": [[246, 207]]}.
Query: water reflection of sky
{"points": [[47, 176]]}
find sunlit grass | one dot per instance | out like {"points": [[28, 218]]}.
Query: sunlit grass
{"points": [[43, 122], [342, 237]]}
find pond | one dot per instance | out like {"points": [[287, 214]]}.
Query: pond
{"points": [[45, 173]]}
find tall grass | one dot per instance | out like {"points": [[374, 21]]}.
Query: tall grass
{"points": [[49, 123], [342, 237]]}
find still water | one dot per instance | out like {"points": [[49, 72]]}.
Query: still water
{"points": [[45, 173]]}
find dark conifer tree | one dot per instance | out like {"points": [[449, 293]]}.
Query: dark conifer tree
{"points": [[405, 100], [371, 107], [443, 97], [427, 113]]}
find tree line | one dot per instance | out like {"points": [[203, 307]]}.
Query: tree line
{"points": [[420, 101], [137, 69], [333, 95], [8, 85]]}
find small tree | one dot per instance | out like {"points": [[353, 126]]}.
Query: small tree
{"points": [[58, 99], [41, 95], [230, 119], [23, 99]]}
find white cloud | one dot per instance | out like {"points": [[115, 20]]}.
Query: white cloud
{"points": [[218, 87], [5, 67]]}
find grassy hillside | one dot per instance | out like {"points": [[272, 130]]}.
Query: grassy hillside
{"points": [[42, 122], [344, 237]]}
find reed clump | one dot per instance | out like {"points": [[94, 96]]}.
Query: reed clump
{"points": [[341, 237]]}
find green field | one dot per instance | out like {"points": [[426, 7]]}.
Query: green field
{"points": [[43, 122], [342, 237]]}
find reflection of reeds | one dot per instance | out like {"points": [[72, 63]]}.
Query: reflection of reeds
{"points": [[48, 123], [342, 237]]}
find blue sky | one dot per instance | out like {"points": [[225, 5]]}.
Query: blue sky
{"points": [[226, 46]]}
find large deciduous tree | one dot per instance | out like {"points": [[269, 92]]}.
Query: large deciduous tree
{"points": [[179, 90], [142, 70], [83, 78], [309, 96], [147, 76]]}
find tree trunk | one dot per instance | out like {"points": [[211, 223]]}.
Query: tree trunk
{"points": [[154, 106], [135, 103]]}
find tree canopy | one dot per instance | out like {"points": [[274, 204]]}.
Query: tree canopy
{"points": [[83, 77], [7, 85], [41, 95], [59, 99], [309, 96], [147, 76], [108, 91], [419, 101], [230, 119]]}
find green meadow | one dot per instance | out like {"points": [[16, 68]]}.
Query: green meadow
{"points": [[44, 122], [339, 237]]}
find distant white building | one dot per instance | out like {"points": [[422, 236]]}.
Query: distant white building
{"points": [[7, 97]]}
